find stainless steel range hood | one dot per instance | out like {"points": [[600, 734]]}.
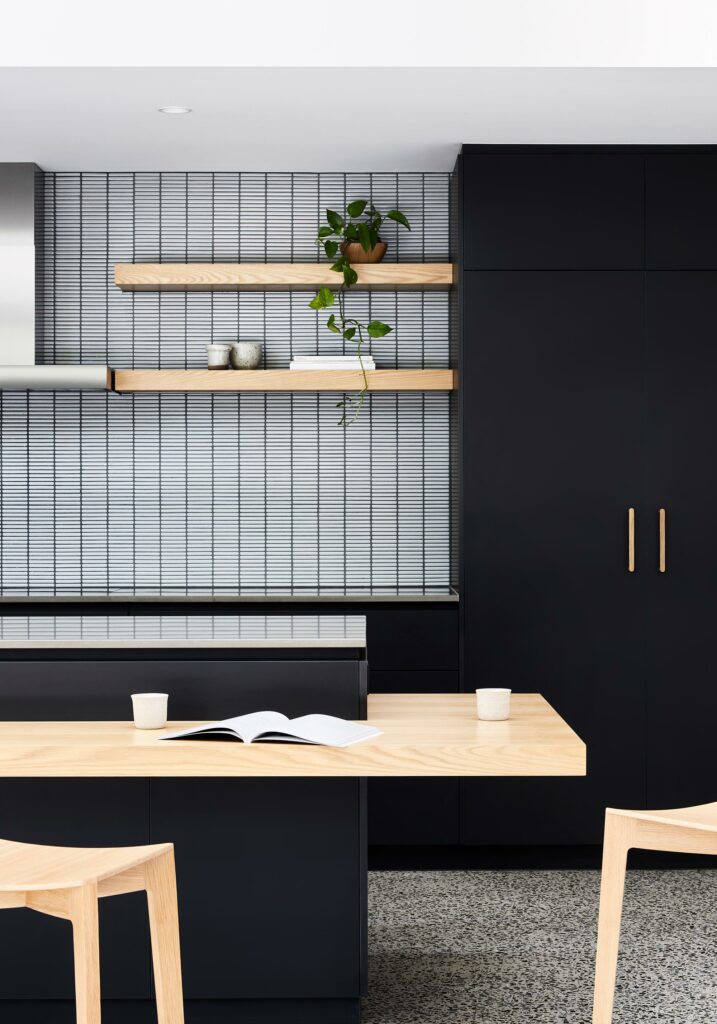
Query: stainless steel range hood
{"points": [[21, 291]]}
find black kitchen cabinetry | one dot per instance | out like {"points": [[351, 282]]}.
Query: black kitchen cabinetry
{"points": [[587, 372], [681, 706], [552, 464]]}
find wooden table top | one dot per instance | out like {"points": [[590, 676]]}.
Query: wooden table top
{"points": [[422, 735]]}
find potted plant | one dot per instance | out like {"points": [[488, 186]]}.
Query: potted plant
{"points": [[359, 241], [357, 237]]}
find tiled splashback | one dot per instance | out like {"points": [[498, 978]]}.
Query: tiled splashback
{"points": [[200, 494]]}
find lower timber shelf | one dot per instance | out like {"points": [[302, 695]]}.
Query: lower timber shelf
{"points": [[283, 380]]}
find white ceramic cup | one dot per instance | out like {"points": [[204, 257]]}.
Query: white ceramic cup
{"points": [[149, 710], [493, 704], [218, 356]]}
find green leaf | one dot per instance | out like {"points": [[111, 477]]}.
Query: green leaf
{"points": [[340, 265], [349, 333], [324, 299], [325, 231], [377, 330], [335, 220], [399, 217], [365, 237], [351, 233], [356, 208], [331, 248], [350, 275]]}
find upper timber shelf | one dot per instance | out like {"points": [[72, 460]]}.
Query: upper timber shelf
{"points": [[200, 277]]}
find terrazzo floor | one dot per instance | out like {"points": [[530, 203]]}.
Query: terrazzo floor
{"points": [[517, 947]]}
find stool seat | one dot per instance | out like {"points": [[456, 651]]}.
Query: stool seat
{"points": [[68, 882], [26, 868], [701, 816]]}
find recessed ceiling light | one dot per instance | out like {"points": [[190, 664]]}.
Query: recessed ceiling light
{"points": [[175, 110]]}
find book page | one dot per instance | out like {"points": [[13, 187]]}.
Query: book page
{"points": [[325, 730]]}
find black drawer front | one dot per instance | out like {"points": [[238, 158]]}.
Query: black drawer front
{"points": [[413, 638], [100, 691], [412, 681]]}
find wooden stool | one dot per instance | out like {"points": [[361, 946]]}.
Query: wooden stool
{"points": [[685, 830], [66, 882]]}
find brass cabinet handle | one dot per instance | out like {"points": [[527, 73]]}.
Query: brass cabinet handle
{"points": [[662, 564], [631, 540]]}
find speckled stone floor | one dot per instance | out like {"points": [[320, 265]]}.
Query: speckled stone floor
{"points": [[517, 947]]}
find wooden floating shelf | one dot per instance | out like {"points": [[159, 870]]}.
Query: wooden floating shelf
{"points": [[202, 277], [282, 380]]}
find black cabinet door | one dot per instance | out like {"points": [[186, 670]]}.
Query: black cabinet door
{"points": [[36, 950], [682, 431], [681, 211], [553, 380], [269, 880], [561, 211]]}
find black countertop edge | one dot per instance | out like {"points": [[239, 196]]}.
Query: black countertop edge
{"points": [[224, 599], [599, 149]]}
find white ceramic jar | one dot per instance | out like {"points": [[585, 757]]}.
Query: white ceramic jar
{"points": [[218, 355]]}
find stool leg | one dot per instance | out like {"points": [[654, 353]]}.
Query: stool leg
{"points": [[161, 883], [86, 940], [618, 833]]}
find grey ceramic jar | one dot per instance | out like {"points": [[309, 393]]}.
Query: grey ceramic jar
{"points": [[246, 355]]}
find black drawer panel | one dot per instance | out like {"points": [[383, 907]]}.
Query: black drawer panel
{"points": [[100, 691], [413, 681], [413, 638]]}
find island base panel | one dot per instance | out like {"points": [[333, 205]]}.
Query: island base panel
{"points": [[196, 1011]]}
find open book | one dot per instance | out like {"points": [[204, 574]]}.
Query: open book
{"points": [[275, 727]]}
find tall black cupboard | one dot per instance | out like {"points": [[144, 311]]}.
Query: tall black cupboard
{"points": [[587, 294]]}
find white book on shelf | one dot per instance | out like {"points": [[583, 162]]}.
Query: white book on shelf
{"points": [[368, 364], [322, 360]]}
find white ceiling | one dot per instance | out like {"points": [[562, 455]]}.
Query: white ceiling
{"points": [[355, 119]]}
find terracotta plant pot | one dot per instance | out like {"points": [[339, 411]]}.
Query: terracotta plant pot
{"points": [[357, 254]]}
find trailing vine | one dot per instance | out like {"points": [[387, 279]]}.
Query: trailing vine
{"points": [[337, 235]]}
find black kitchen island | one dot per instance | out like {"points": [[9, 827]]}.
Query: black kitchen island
{"points": [[271, 871]]}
